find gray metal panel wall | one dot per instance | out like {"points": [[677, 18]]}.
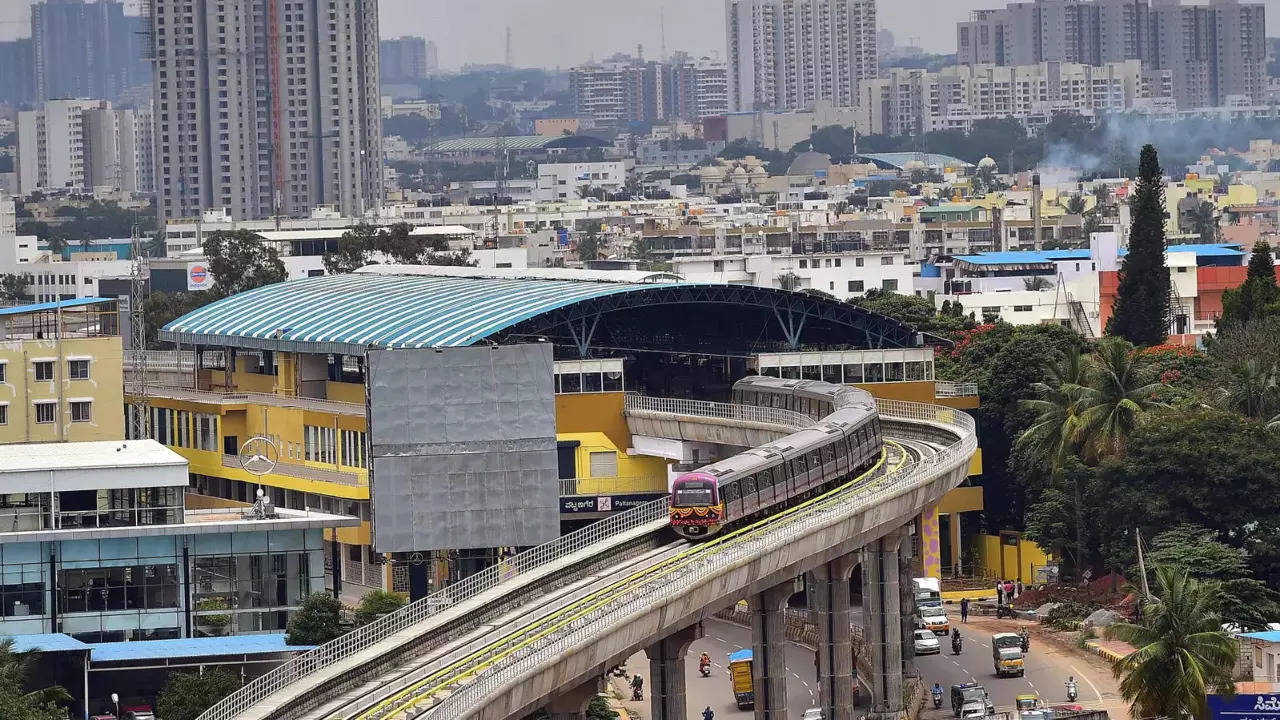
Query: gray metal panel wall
{"points": [[463, 447]]}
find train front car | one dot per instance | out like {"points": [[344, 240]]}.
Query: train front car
{"points": [[697, 512]]}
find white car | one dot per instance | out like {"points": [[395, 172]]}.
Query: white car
{"points": [[927, 643], [812, 714]]}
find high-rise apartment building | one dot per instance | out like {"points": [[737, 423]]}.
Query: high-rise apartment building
{"points": [[81, 144], [404, 58], [86, 49], [791, 54], [618, 91], [433, 57], [266, 108], [695, 88], [1216, 53], [18, 81]]}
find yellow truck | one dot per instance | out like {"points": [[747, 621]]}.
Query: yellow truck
{"points": [[740, 675], [1006, 653]]}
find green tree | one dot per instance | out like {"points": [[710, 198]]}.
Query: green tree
{"points": [[13, 288], [1075, 204], [162, 308], [1242, 600], [1120, 390], [353, 250], [376, 603], [1141, 313], [18, 703], [240, 261], [57, 243], [1204, 221], [589, 245], [188, 694], [318, 621], [1258, 296], [1182, 654]]}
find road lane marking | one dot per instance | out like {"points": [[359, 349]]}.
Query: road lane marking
{"points": [[1079, 674]]}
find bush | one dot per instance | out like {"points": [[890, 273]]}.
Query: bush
{"points": [[376, 603], [318, 621], [188, 694]]}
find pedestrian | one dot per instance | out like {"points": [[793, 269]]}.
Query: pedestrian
{"points": [[964, 610], [1019, 589], [1008, 590], [999, 594]]}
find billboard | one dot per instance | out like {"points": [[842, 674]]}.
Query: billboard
{"points": [[462, 444], [1245, 706], [198, 276]]}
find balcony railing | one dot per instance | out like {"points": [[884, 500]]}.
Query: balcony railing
{"points": [[214, 397], [610, 486], [303, 472], [943, 388]]}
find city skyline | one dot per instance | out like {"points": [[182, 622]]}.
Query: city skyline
{"points": [[538, 40]]}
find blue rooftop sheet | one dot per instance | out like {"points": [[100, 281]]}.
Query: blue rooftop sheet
{"points": [[1265, 635], [46, 642], [1202, 249], [192, 647], [1023, 257], [384, 310], [38, 307], [743, 654]]}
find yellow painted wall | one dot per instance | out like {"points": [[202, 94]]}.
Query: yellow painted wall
{"points": [[990, 551], [344, 392], [104, 389], [912, 391], [636, 473], [975, 463], [594, 412], [196, 501], [961, 499], [964, 402], [1238, 195]]}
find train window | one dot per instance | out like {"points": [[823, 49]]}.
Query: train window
{"points": [[771, 372], [748, 485], [831, 373], [798, 466], [729, 493], [828, 453], [812, 372], [853, 373]]}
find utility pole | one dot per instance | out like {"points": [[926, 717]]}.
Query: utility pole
{"points": [[140, 407]]}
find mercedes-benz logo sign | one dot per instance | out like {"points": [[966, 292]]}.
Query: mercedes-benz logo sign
{"points": [[259, 455]]}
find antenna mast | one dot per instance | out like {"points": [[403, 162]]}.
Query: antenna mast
{"points": [[140, 410]]}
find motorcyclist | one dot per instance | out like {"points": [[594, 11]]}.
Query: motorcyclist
{"points": [[704, 664], [937, 695], [1073, 690], [955, 641], [637, 687], [1026, 638]]}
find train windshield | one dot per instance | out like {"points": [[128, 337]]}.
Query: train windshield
{"points": [[693, 496]]}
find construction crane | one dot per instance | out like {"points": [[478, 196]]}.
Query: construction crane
{"points": [[140, 406]]}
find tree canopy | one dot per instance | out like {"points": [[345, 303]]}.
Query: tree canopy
{"points": [[17, 702], [240, 261], [1258, 296], [188, 694], [1141, 311], [362, 244], [318, 621]]}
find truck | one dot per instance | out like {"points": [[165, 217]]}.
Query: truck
{"points": [[927, 592], [1006, 653], [740, 675]]}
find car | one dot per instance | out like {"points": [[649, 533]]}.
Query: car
{"points": [[970, 692], [926, 643], [973, 710], [933, 618], [1027, 702], [812, 714]]}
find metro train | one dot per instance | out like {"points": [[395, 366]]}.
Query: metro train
{"points": [[843, 442]]}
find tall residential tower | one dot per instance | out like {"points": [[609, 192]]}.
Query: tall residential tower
{"points": [[266, 107], [786, 54]]}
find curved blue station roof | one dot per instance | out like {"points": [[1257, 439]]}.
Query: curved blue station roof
{"points": [[416, 307]]}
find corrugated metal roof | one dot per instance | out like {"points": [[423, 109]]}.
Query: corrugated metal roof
{"points": [[1201, 250], [349, 313], [40, 307], [473, 144], [901, 159], [193, 647], [46, 642], [1023, 257]]}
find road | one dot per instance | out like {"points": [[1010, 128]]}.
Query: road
{"points": [[1048, 666]]}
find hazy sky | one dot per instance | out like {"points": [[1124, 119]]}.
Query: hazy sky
{"points": [[561, 33]]}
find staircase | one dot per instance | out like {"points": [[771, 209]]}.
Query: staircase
{"points": [[1079, 320]]}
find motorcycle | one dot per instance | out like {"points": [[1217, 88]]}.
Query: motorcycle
{"points": [[937, 700], [1073, 691], [1026, 641], [637, 694], [955, 646], [705, 669]]}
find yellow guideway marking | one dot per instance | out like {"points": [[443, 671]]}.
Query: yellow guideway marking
{"points": [[590, 603]]}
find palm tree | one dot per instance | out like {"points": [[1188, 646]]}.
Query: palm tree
{"points": [[1182, 653], [1120, 390], [1253, 386], [15, 668], [1035, 283], [1076, 204]]}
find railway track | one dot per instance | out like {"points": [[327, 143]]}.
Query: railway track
{"points": [[418, 689]]}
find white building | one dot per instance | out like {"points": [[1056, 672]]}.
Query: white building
{"points": [[781, 129], [843, 275], [791, 54], [561, 181], [81, 144]]}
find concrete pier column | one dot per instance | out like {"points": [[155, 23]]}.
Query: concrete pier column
{"points": [[829, 593], [666, 685], [572, 703], [907, 603], [768, 644], [882, 608]]}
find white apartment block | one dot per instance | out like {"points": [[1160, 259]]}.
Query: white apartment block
{"points": [[791, 54], [561, 181], [80, 144], [908, 102], [695, 88], [266, 114], [843, 275]]}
